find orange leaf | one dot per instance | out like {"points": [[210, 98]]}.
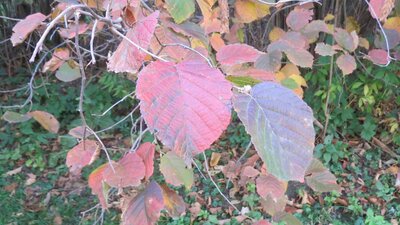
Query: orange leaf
{"points": [[48, 121], [174, 203]]}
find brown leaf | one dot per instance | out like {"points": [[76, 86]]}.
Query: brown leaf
{"points": [[70, 32], [174, 203], [59, 56], [48, 121], [249, 171], [215, 157]]}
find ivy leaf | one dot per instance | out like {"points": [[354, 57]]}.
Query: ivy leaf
{"points": [[346, 63], [23, 28], [270, 185], [298, 18], [187, 104], [145, 208], [128, 171], [128, 58], [82, 155], [98, 186], [248, 11], [281, 128], [48, 121], [320, 179], [324, 49], [13, 117], [59, 56], [174, 170], [180, 10], [146, 152], [378, 56], [173, 202], [228, 54], [69, 71]]}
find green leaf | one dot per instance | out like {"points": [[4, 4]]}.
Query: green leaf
{"points": [[369, 129], [174, 170], [243, 81], [180, 10], [68, 72], [13, 117]]}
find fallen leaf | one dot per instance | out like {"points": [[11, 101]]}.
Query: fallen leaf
{"points": [[48, 121], [215, 157]]}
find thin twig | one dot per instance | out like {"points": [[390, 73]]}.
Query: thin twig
{"points": [[93, 61], [115, 104]]}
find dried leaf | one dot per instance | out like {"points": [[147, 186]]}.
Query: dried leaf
{"points": [[249, 171], [174, 170], [59, 56], [13, 117], [83, 154], [173, 202], [270, 185], [215, 157], [48, 121], [320, 179], [70, 32], [26, 26]]}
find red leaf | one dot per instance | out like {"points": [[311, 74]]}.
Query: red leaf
{"points": [[237, 53], [249, 171], [346, 63], [98, 186], [82, 155], [146, 152], [24, 27], [270, 185], [380, 9], [187, 104], [70, 32], [128, 171], [378, 56], [60, 55], [48, 121], [128, 58], [298, 18], [145, 208]]}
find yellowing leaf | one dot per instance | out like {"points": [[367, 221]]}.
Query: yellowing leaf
{"points": [[299, 80], [275, 34], [329, 17], [249, 11], [351, 24], [215, 156], [59, 56], [48, 121], [393, 23], [363, 43], [180, 10], [174, 170], [174, 203]]}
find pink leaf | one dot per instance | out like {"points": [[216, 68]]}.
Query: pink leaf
{"points": [[145, 208], [187, 104], [346, 63], [70, 32], [270, 185], [128, 58], [98, 186], [128, 171], [298, 18], [24, 27], [237, 53], [347, 40], [324, 49], [378, 56], [146, 152], [380, 9], [249, 171], [82, 155], [262, 222]]}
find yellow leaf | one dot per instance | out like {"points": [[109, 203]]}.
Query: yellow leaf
{"points": [[275, 34], [351, 24], [363, 42], [393, 23], [249, 11], [215, 157], [329, 17], [290, 69], [299, 80], [279, 76]]}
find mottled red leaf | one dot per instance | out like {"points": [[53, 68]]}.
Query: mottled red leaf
{"points": [[320, 179], [298, 18], [378, 56], [128, 58], [48, 121], [270, 185], [24, 27], [128, 171], [98, 186], [173, 202], [82, 155], [346, 63], [146, 152], [59, 56], [145, 208], [186, 104], [237, 53]]}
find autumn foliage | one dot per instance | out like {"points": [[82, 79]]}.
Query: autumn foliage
{"points": [[192, 71]]}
